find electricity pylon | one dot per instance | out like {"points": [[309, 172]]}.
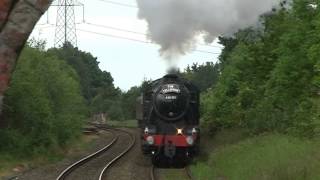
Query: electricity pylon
{"points": [[65, 24]]}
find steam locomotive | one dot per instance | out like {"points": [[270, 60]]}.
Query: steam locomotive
{"points": [[168, 116]]}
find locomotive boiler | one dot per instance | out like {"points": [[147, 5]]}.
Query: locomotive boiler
{"points": [[168, 116]]}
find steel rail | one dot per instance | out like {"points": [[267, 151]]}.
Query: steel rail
{"points": [[133, 142], [188, 172], [152, 173], [82, 161]]}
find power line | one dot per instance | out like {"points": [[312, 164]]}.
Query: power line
{"points": [[119, 4], [43, 27], [44, 24], [135, 40], [140, 33], [114, 36], [130, 31], [41, 24], [208, 52], [115, 28]]}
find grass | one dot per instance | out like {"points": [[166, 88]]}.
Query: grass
{"points": [[172, 174], [125, 123], [234, 156], [9, 161]]}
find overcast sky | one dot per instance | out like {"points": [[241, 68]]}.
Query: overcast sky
{"points": [[129, 62]]}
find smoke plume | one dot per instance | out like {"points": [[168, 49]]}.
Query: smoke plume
{"points": [[174, 24]]}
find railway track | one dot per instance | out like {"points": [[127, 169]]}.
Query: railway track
{"points": [[84, 163], [186, 172], [103, 173]]}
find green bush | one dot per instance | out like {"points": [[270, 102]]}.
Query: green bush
{"points": [[270, 77], [45, 108], [96, 85], [269, 156]]}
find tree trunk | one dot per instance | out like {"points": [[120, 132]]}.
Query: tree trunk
{"points": [[17, 20]]}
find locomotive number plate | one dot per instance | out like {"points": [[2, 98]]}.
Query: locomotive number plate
{"points": [[171, 97], [171, 88]]}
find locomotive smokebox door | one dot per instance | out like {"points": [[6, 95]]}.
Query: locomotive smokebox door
{"points": [[169, 149]]}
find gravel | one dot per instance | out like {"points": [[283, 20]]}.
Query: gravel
{"points": [[133, 166]]}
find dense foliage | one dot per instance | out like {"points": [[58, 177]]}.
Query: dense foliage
{"points": [[129, 99], [270, 77], [97, 85], [44, 105], [203, 76]]}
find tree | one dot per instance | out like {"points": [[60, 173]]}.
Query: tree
{"points": [[17, 19], [269, 77], [129, 100], [203, 76], [87, 67], [44, 104], [97, 85]]}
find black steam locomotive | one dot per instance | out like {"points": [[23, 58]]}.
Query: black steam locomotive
{"points": [[168, 115]]}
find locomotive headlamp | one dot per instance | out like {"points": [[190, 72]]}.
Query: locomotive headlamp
{"points": [[150, 140], [149, 130], [179, 131], [146, 130], [189, 140], [194, 131]]}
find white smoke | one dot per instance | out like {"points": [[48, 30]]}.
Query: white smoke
{"points": [[174, 24]]}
